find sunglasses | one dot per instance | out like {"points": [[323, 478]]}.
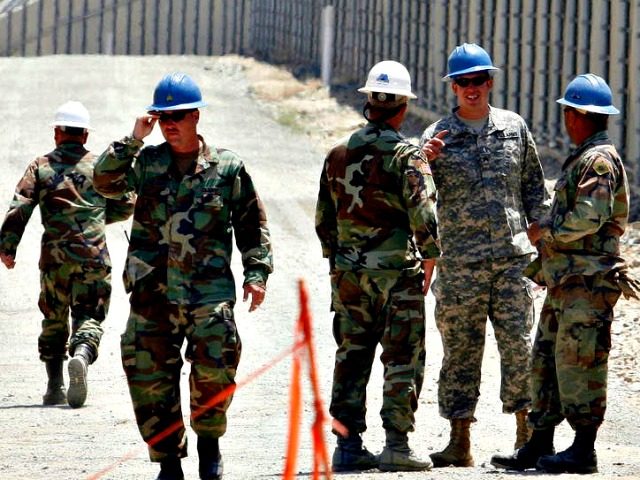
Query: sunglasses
{"points": [[475, 81], [175, 116]]}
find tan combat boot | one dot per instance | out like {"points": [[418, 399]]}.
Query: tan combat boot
{"points": [[523, 432], [458, 452], [397, 456], [78, 368]]}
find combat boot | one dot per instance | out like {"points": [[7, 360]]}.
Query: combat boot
{"points": [[170, 469], [523, 432], [78, 368], [55, 394], [398, 457], [580, 457], [351, 455], [540, 443], [210, 459], [458, 452]]}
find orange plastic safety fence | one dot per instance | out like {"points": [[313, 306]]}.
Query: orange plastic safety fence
{"points": [[304, 334]]}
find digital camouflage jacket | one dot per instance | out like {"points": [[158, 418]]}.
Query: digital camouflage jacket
{"points": [[490, 187], [72, 212], [375, 208], [183, 226]]}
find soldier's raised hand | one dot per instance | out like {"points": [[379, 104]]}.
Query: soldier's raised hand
{"points": [[434, 146], [144, 126]]}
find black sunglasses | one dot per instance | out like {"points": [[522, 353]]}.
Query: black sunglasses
{"points": [[475, 81], [175, 116]]}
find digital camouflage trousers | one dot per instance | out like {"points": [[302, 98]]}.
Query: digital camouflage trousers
{"points": [[571, 352], [466, 296], [152, 360], [82, 291], [372, 310]]}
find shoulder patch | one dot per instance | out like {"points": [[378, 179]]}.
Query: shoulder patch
{"points": [[602, 166]]}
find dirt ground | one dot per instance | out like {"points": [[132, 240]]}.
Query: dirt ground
{"points": [[282, 127]]}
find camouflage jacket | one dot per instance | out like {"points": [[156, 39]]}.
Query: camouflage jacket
{"points": [[375, 208], [73, 214], [581, 234], [490, 186], [183, 226]]}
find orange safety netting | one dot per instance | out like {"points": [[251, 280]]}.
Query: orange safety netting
{"points": [[304, 335]]}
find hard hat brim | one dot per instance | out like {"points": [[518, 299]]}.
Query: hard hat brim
{"points": [[181, 106], [609, 110], [477, 68], [395, 91], [71, 124]]}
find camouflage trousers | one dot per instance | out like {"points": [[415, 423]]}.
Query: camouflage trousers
{"points": [[571, 352], [371, 310], [150, 348], [466, 295], [84, 292]]}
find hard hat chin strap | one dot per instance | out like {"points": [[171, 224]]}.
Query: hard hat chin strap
{"points": [[380, 114]]}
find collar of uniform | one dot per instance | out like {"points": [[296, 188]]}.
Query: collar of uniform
{"points": [[598, 138], [457, 126], [69, 150], [205, 157]]}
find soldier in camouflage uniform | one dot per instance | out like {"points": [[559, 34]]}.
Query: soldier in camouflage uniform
{"points": [[581, 267], [490, 187], [375, 219], [75, 268], [192, 198]]}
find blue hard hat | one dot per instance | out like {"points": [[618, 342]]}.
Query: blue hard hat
{"points": [[176, 91], [468, 58], [591, 93]]}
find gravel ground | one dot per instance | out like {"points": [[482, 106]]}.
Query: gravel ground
{"points": [[281, 127]]}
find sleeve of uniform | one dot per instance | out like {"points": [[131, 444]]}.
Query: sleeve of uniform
{"points": [[427, 134], [593, 203], [249, 220], [534, 193], [25, 200], [121, 208], [113, 174], [420, 196], [326, 224]]}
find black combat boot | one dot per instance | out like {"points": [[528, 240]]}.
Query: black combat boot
{"points": [[55, 394], [580, 457], [540, 443], [210, 459], [78, 368], [170, 469], [351, 455], [397, 456]]}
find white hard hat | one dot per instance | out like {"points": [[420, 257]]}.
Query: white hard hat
{"points": [[389, 76], [72, 114]]}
